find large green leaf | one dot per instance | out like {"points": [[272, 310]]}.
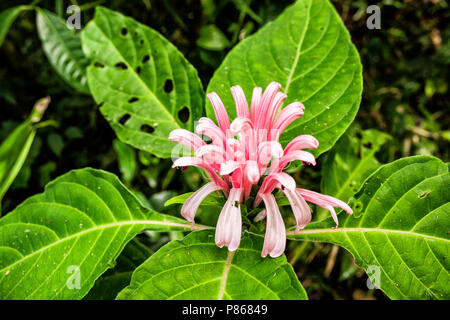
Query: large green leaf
{"points": [[7, 17], [14, 149], [195, 268], [307, 49], [350, 162], [114, 280], [145, 85], [62, 47], [81, 222], [400, 228]]}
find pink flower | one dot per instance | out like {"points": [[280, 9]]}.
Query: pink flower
{"points": [[244, 152]]}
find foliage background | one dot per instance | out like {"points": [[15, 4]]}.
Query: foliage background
{"points": [[406, 66]]}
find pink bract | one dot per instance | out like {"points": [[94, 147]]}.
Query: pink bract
{"points": [[244, 152]]}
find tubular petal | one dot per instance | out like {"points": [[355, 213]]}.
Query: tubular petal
{"points": [[207, 127], [292, 112], [219, 111], [186, 138], [269, 149], [304, 156], [273, 109], [190, 206], [197, 162], [275, 237], [305, 141], [271, 181], [266, 101], [323, 200], [256, 101], [229, 224], [241, 102], [299, 207]]}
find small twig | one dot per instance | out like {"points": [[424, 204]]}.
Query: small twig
{"points": [[331, 261]]}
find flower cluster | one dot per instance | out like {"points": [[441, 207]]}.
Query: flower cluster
{"points": [[242, 153]]}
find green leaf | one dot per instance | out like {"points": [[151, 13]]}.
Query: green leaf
{"points": [[212, 38], [7, 18], [81, 222], [126, 157], [213, 199], [399, 230], [144, 84], [14, 149], [62, 46], [114, 280], [350, 162], [195, 268], [208, 211], [307, 49]]}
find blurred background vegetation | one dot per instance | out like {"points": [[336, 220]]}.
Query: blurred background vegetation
{"points": [[406, 72]]}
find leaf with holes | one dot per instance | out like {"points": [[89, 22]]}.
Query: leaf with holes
{"points": [[195, 268], [399, 231], [62, 47], [114, 280], [144, 84], [307, 49], [56, 244]]}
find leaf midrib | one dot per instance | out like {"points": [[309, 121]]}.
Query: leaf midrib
{"points": [[103, 227], [299, 46], [365, 230]]}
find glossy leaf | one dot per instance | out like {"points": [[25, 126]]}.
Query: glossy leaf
{"points": [[77, 227], [62, 46], [350, 162], [14, 149], [114, 280], [7, 18], [144, 84], [195, 268], [399, 232], [307, 49]]}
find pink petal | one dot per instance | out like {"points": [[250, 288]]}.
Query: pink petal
{"points": [[299, 207], [228, 167], [190, 206], [220, 111], [275, 237], [268, 150], [273, 179], [240, 124], [324, 200], [292, 112], [207, 127], [252, 171], [197, 162], [273, 109], [212, 154], [304, 156], [266, 101], [305, 141], [256, 101], [229, 224], [241, 102], [186, 138]]}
